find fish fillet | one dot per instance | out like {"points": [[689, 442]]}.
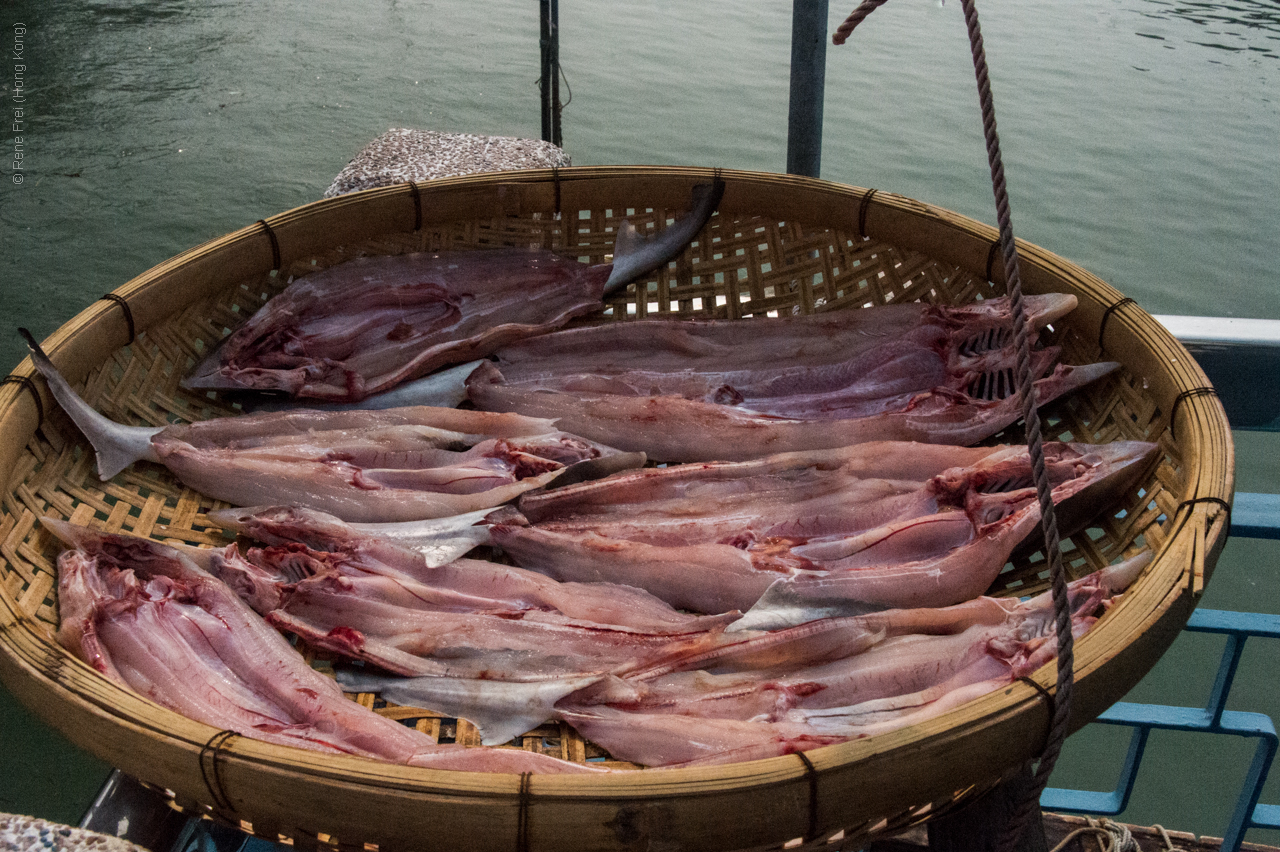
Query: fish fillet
{"points": [[365, 326], [149, 618], [801, 536], [684, 391]]}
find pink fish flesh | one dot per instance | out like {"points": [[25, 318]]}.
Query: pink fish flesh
{"points": [[303, 543], [149, 618], [728, 714], [395, 465], [352, 617], [684, 391], [808, 528], [367, 325], [374, 601]]}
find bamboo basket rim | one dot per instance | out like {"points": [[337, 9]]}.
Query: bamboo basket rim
{"points": [[1169, 586]]}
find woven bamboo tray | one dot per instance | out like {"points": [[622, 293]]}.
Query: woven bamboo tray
{"points": [[778, 245]]}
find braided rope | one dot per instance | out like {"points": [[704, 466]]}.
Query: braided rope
{"points": [[1048, 518], [855, 18], [1110, 837]]}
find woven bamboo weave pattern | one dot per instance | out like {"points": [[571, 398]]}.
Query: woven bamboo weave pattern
{"points": [[742, 268]]}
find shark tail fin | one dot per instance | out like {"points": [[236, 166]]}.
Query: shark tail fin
{"points": [[117, 445]]}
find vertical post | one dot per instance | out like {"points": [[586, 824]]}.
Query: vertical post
{"points": [[549, 83], [808, 82], [556, 106], [544, 42]]}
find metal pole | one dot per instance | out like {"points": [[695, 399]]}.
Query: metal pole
{"points": [[556, 106], [548, 68], [808, 81]]}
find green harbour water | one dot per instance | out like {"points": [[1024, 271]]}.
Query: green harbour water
{"points": [[1141, 140]]}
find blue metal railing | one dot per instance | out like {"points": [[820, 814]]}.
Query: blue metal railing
{"points": [[1234, 353], [1212, 719]]}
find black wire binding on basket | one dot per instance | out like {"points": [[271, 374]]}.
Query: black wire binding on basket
{"points": [[1048, 517], [1049, 702], [128, 314], [210, 774], [1216, 500], [811, 775], [862, 213], [275, 244], [417, 205], [1106, 315], [992, 254], [1179, 399], [522, 819], [26, 382]]}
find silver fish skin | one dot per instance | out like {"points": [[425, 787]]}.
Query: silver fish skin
{"points": [[500, 710], [445, 388], [181, 638], [437, 541]]}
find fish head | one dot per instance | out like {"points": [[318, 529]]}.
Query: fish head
{"points": [[1088, 477]]}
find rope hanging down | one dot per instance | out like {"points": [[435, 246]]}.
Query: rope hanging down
{"points": [[1026, 388]]}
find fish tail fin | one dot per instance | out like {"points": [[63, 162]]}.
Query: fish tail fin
{"points": [[117, 445], [634, 255]]}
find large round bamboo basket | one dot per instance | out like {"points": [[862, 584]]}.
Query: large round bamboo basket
{"points": [[778, 244]]}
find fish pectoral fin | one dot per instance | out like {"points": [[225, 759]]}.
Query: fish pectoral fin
{"points": [[500, 710], [597, 468], [786, 604]]}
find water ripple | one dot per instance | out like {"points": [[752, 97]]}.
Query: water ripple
{"points": [[1241, 25]]}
